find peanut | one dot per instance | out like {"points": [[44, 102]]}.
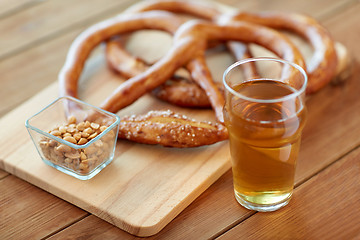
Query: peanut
{"points": [[80, 133], [80, 126], [87, 124], [77, 136], [62, 129], [103, 128], [72, 120], [55, 133], [82, 141], [95, 125], [70, 139], [89, 131], [93, 135]]}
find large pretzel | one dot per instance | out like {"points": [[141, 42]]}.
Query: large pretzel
{"points": [[190, 42], [321, 67]]}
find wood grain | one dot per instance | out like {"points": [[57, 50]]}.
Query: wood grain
{"points": [[319, 205], [49, 19], [320, 9], [342, 27], [18, 199], [143, 189], [193, 221], [3, 174], [9, 7], [319, 150]]}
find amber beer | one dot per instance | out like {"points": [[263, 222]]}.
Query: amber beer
{"points": [[265, 128]]}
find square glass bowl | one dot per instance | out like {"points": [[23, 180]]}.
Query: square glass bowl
{"points": [[74, 137]]}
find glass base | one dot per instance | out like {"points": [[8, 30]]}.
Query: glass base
{"points": [[77, 175], [262, 207]]}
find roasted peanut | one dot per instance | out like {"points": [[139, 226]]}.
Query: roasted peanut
{"points": [[71, 130], [82, 141], [82, 156], [70, 139], [89, 131], [103, 128], [67, 135], [87, 124], [55, 133], [90, 150], [83, 160], [63, 148], [93, 135], [73, 154], [62, 129], [68, 160], [77, 136], [80, 126], [72, 120], [83, 166], [85, 135], [95, 125]]}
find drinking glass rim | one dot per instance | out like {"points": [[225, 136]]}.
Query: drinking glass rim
{"points": [[295, 94]]}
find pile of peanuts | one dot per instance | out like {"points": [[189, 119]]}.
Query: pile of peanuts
{"points": [[81, 160]]}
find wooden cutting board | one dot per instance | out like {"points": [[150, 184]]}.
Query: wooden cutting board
{"points": [[144, 187]]}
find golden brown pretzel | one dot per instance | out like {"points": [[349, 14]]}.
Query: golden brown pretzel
{"points": [[93, 36], [178, 91], [190, 41], [322, 65], [168, 128]]}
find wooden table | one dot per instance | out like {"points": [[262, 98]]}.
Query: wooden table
{"points": [[326, 204]]}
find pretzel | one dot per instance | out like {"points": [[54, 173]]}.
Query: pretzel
{"points": [[180, 92], [321, 67], [169, 127], [177, 90], [190, 42]]}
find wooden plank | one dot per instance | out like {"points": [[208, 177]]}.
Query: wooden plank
{"points": [[325, 207], [49, 19], [328, 121], [39, 213], [8, 7], [320, 9], [346, 31], [193, 221], [32, 70], [3, 174]]}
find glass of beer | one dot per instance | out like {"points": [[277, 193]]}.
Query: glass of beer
{"points": [[265, 114]]}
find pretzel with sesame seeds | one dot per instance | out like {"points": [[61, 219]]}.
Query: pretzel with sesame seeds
{"points": [[190, 42], [168, 127]]}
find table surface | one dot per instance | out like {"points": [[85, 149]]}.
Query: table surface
{"points": [[326, 204]]}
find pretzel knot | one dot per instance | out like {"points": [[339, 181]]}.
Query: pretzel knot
{"points": [[190, 41]]}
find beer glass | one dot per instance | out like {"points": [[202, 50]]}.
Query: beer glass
{"points": [[265, 114]]}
